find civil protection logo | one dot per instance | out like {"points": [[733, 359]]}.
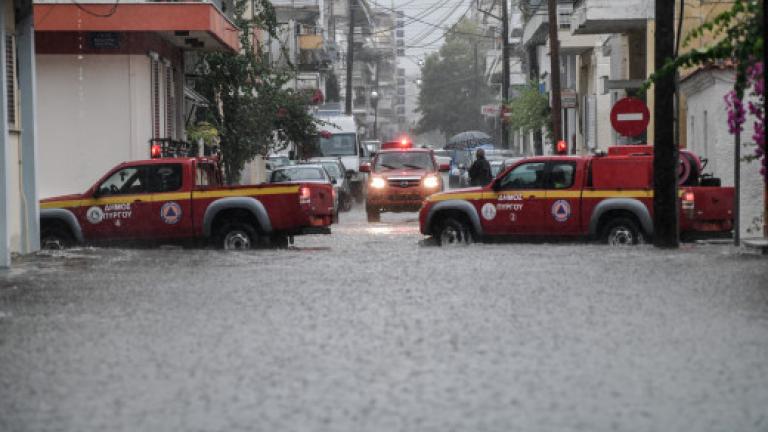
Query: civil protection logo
{"points": [[561, 210], [94, 215], [488, 211], [170, 213]]}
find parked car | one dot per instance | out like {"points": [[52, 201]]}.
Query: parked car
{"points": [[338, 172], [308, 173]]}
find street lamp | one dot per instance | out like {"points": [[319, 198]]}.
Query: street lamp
{"points": [[375, 103]]}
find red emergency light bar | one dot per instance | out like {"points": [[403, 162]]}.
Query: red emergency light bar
{"points": [[403, 143]]}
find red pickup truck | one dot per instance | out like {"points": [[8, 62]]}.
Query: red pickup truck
{"points": [[608, 197], [184, 199]]}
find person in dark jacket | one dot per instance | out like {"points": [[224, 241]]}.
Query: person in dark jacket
{"points": [[480, 171]]}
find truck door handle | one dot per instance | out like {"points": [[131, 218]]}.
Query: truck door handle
{"points": [[137, 201]]}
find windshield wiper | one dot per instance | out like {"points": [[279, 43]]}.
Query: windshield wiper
{"points": [[413, 166], [387, 166]]}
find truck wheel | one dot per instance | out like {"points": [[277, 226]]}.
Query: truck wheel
{"points": [[55, 238], [238, 236], [622, 232], [374, 215], [452, 232]]}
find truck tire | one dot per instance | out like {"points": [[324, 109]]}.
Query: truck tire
{"points": [[453, 232], [374, 215], [56, 238], [237, 236], [622, 231]]}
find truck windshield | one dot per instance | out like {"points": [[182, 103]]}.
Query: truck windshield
{"points": [[343, 144], [404, 160]]}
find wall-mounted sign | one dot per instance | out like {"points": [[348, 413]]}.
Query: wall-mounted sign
{"points": [[568, 98], [104, 40]]}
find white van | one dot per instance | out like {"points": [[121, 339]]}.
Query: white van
{"points": [[338, 139]]}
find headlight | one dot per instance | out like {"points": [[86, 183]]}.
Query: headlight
{"points": [[378, 183], [431, 182]]}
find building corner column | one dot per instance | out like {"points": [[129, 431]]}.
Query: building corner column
{"points": [[30, 209], [5, 163]]}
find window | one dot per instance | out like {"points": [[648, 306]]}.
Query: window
{"points": [[401, 160], [526, 176], [400, 71], [400, 52], [124, 182], [401, 110], [401, 90], [401, 81], [400, 33], [164, 178], [206, 175], [561, 176], [400, 100]]}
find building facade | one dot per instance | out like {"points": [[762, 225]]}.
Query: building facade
{"points": [[112, 82]]}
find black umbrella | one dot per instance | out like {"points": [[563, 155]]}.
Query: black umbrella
{"points": [[468, 139]]}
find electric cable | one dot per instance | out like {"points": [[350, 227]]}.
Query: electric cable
{"points": [[111, 12]]}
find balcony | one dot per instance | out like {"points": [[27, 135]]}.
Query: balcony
{"points": [[610, 16], [191, 25], [301, 10], [536, 28]]}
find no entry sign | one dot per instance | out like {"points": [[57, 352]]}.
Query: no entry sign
{"points": [[630, 117]]}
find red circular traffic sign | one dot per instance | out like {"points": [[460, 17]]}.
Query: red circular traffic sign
{"points": [[630, 116]]}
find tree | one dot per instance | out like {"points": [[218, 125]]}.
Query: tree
{"points": [[529, 111], [453, 85], [253, 112]]}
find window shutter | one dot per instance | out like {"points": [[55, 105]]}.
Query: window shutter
{"points": [[169, 103], [155, 99], [10, 75]]}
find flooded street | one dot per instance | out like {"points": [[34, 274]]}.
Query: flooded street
{"points": [[368, 330]]}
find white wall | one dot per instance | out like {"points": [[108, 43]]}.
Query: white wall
{"points": [[94, 112], [710, 139]]}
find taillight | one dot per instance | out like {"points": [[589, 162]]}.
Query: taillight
{"points": [[304, 195], [155, 151], [688, 203]]}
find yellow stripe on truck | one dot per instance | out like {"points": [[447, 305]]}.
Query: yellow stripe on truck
{"points": [[171, 196], [548, 194]]}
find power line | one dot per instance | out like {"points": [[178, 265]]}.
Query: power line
{"points": [[427, 31], [111, 12]]}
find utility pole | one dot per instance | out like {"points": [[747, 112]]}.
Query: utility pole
{"points": [[504, 69], [350, 59], [665, 151], [554, 78]]}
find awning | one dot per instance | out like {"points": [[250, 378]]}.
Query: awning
{"points": [[199, 26]]}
